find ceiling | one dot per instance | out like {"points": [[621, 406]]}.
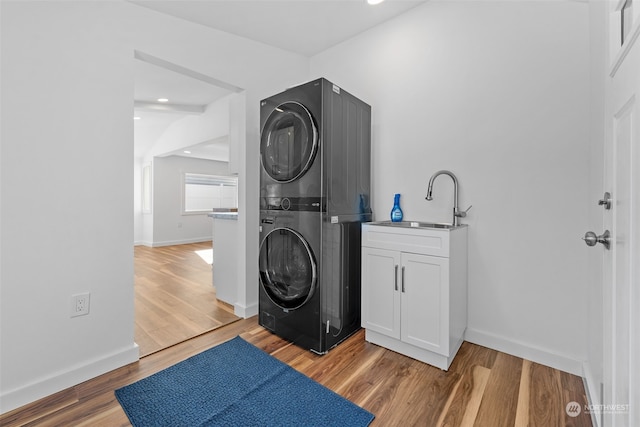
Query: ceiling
{"points": [[316, 24], [187, 95], [306, 27]]}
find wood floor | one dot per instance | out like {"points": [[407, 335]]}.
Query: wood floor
{"points": [[174, 297], [482, 388]]}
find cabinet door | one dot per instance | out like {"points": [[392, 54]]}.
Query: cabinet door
{"points": [[425, 302], [380, 297]]}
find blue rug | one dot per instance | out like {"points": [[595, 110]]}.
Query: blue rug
{"points": [[235, 384]]}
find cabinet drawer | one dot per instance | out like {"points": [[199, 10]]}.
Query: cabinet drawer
{"points": [[417, 241]]}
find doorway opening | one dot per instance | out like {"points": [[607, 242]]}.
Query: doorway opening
{"points": [[181, 129]]}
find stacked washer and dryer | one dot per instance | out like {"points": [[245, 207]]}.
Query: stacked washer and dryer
{"points": [[315, 147]]}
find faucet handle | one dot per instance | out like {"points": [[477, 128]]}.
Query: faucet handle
{"points": [[463, 214]]}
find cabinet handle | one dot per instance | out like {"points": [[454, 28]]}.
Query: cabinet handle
{"points": [[403, 278], [395, 278]]}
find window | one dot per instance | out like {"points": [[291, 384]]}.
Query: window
{"points": [[205, 192]]}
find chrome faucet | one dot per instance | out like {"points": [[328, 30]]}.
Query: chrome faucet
{"points": [[456, 213]]}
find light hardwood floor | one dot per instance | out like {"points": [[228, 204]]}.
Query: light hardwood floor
{"points": [[482, 388], [174, 297]]}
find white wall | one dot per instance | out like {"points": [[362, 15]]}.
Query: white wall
{"points": [[67, 227], [497, 93], [67, 152], [170, 225], [191, 130]]}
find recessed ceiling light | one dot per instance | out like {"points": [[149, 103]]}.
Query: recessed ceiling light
{"points": [[374, 1], [163, 100], [187, 152], [136, 118]]}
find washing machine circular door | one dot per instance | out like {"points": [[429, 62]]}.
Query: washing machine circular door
{"points": [[288, 271], [288, 142]]}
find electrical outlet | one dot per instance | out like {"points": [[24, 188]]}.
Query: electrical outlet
{"points": [[80, 304]]}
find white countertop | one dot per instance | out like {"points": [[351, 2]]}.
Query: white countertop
{"points": [[224, 215]]}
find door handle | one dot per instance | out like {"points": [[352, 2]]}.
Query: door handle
{"points": [[590, 238], [403, 278], [395, 278], [605, 201]]}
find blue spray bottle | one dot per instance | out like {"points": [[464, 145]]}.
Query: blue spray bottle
{"points": [[396, 212]]}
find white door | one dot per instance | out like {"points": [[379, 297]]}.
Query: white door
{"points": [[380, 291], [622, 262], [425, 302]]}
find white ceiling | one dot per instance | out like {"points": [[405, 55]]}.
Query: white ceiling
{"points": [[186, 95], [306, 27]]}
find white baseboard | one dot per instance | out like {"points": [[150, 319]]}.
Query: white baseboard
{"points": [[245, 311], [180, 242], [13, 399], [525, 351]]}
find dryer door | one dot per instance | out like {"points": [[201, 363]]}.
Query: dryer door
{"points": [[288, 142], [288, 270]]}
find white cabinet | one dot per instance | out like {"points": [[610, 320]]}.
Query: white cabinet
{"points": [[414, 290]]}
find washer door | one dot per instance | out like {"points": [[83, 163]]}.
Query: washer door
{"points": [[288, 271], [288, 142]]}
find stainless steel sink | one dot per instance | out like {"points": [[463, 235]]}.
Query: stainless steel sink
{"points": [[415, 224]]}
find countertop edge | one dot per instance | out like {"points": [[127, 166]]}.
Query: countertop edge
{"points": [[224, 215]]}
